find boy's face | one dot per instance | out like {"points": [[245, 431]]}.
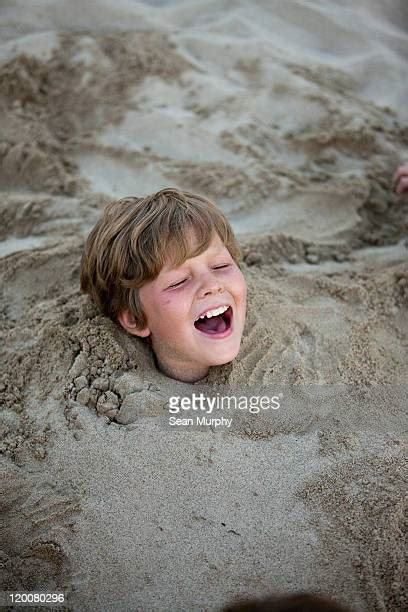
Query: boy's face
{"points": [[186, 345]]}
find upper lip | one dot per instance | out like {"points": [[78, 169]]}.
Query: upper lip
{"points": [[211, 308]]}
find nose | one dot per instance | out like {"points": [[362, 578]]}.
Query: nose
{"points": [[210, 285]]}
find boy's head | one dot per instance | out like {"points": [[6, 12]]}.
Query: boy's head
{"points": [[165, 267]]}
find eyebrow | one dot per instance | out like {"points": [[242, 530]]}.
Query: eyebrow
{"points": [[216, 251]]}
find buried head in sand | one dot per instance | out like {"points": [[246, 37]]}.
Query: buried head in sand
{"points": [[166, 268]]}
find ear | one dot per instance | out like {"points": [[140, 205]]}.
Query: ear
{"points": [[128, 322]]}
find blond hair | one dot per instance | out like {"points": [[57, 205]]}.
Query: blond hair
{"points": [[136, 237]]}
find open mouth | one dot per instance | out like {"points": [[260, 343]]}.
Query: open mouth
{"points": [[214, 325]]}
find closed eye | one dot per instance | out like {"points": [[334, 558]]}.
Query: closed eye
{"points": [[221, 266], [178, 284]]}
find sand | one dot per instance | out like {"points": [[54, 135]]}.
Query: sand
{"points": [[292, 117]]}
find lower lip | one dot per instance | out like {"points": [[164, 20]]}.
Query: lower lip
{"points": [[220, 336]]}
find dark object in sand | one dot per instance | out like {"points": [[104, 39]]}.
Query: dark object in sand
{"points": [[290, 603]]}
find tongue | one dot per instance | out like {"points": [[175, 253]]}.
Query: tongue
{"points": [[214, 325]]}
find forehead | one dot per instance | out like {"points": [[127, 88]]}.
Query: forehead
{"points": [[215, 246]]}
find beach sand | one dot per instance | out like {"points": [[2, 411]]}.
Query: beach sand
{"points": [[292, 117]]}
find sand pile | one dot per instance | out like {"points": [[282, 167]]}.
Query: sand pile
{"points": [[292, 117]]}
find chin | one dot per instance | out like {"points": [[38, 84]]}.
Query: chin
{"points": [[227, 357]]}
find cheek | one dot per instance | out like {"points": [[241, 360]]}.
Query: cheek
{"points": [[173, 307], [241, 286], [165, 302]]}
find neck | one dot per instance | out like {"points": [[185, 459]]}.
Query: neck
{"points": [[184, 372]]}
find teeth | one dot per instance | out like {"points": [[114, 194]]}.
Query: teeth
{"points": [[214, 313]]}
